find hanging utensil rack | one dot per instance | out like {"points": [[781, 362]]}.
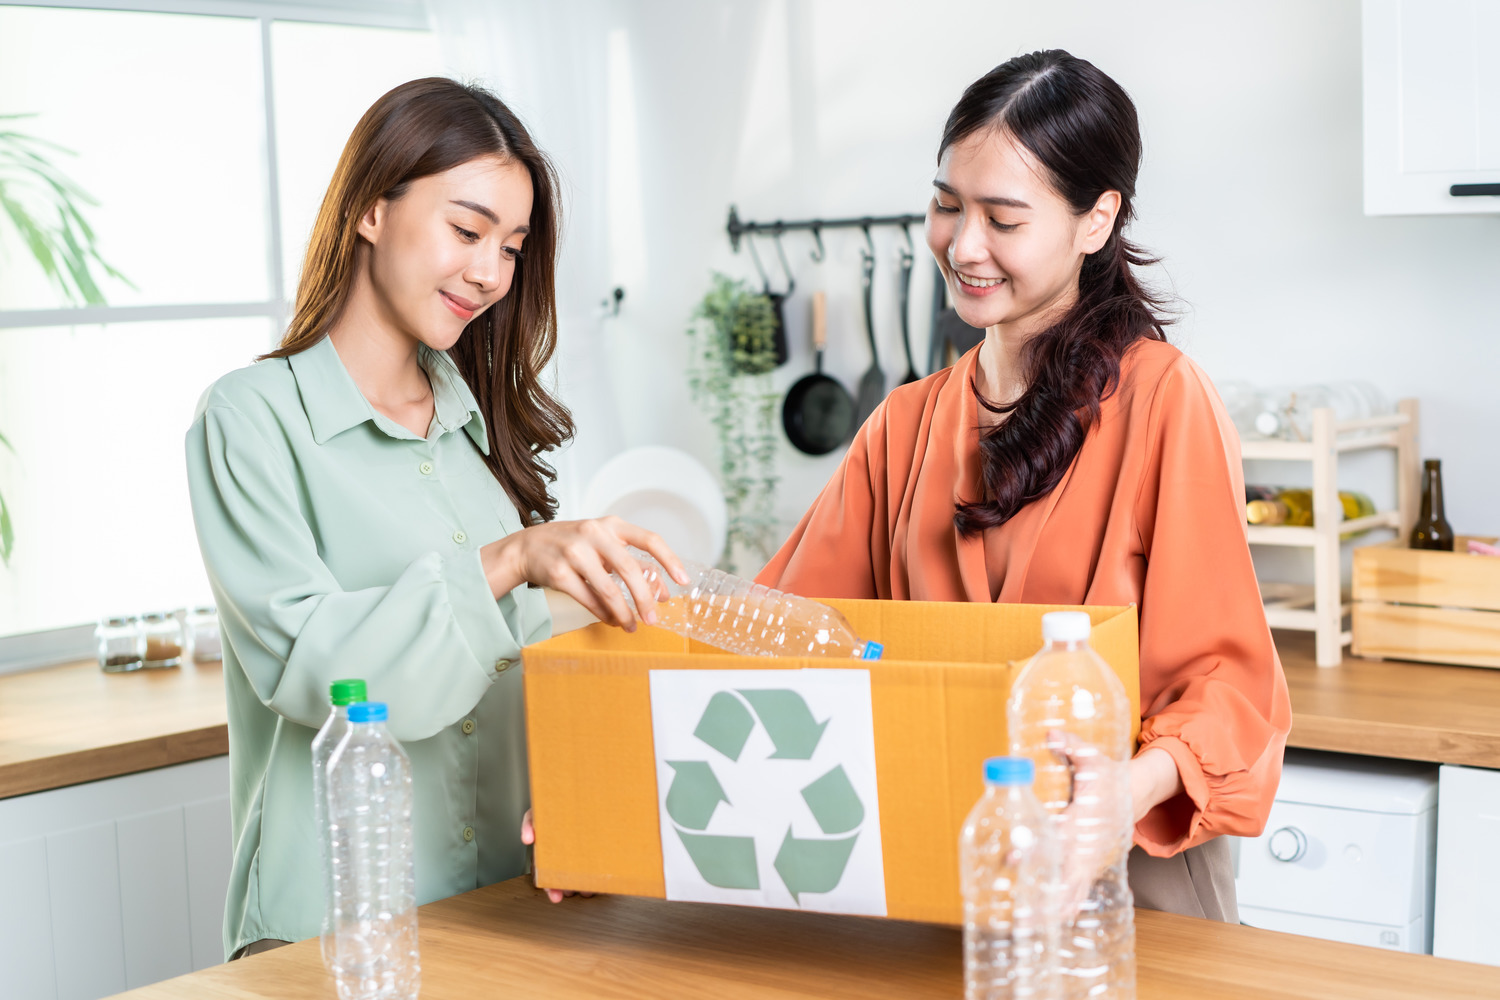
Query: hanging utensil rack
{"points": [[737, 227]]}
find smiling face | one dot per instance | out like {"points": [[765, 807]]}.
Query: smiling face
{"points": [[446, 250], [1009, 246]]}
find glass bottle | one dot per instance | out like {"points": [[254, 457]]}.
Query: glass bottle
{"points": [[164, 640], [203, 634], [122, 644], [1432, 530]]}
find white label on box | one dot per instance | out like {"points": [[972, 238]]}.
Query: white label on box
{"points": [[766, 788]]}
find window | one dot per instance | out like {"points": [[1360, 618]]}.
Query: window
{"points": [[168, 116]]}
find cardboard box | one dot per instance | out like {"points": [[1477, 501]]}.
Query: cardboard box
{"points": [[1417, 604], [936, 701]]}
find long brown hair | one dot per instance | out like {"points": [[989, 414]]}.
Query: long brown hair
{"points": [[418, 129], [1081, 126]]}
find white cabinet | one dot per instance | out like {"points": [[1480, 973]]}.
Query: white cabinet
{"points": [[113, 884], [1431, 106], [1468, 865]]}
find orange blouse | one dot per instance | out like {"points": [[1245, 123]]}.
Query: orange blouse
{"points": [[1150, 512]]}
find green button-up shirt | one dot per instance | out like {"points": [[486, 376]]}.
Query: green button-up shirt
{"points": [[339, 544]]}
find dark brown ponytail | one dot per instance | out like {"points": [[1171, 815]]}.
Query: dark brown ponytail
{"points": [[1081, 126]]}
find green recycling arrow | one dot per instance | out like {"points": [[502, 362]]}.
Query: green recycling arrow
{"points": [[834, 802], [788, 721], [812, 865], [695, 793], [725, 725], [727, 862]]}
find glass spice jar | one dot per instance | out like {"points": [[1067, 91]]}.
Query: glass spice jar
{"points": [[122, 644], [164, 640], [203, 635]]}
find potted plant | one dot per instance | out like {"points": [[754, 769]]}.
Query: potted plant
{"points": [[733, 350]]}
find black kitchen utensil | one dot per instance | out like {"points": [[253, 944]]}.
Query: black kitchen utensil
{"points": [[907, 261], [872, 382], [818, 412]]}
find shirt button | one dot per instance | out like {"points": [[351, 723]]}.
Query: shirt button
{"points": [[425, 468], [459, 538], [501, 666], [468, 726], [468, 834]]}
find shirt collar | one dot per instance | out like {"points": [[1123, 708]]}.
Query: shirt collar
{"points": [[334, 404]]}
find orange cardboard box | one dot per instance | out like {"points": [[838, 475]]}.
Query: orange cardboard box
{"points": [[936, 702]]}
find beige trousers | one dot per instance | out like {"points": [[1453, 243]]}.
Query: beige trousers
{"points": [[1199, 882]]}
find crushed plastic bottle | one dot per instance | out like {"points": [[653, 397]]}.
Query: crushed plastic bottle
{"points": [[739, 616]]}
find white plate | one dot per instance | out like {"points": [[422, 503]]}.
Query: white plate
{"points": [[667, 491]]}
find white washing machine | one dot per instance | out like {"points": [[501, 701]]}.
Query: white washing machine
{"points": [[1347, 854]]}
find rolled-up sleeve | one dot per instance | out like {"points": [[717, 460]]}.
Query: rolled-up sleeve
{"points": [[429, 640], [1212, 689]]}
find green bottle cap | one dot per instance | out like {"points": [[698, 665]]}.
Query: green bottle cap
{"points": [[347, 692]]}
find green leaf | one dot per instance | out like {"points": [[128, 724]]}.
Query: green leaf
{"points": [[7, 533]]}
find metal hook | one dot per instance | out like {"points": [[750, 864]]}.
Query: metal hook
{"points": [[791, 282], [868, 254], [765, 279], [817, 233]]}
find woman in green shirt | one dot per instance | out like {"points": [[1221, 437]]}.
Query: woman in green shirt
{"points": [[371, 501]]}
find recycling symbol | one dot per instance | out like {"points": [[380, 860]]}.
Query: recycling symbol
{"points": [[804, 864]]}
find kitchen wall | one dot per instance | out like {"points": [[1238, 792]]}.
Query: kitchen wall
{"points": [[1250, 190]]}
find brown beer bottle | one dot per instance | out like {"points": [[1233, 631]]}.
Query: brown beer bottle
{"points": [[1432, 530]]}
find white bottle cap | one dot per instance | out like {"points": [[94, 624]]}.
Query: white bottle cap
{"points": [[1066, 626]]}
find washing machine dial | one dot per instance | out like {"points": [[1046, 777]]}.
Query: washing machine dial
{"points": [[1288, 844]]}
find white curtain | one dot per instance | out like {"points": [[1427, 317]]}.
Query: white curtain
{"points": [[641, 107], [547, 62]]}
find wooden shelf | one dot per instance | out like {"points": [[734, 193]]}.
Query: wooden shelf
{"points": [[1324, 613], [1307, 537]]}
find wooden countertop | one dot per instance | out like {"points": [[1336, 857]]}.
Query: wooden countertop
{"points": [[74, 723], [506, 940], [65, 725], [1389, 708]]}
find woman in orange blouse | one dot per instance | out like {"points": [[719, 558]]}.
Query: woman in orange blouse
{"points": [[1074, 457]]}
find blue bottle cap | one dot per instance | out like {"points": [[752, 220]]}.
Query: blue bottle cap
{"points": [[367, 711], [1009, 771], [872, 651]]}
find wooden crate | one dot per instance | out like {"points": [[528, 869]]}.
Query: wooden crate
{"points": [[1439, 607]]}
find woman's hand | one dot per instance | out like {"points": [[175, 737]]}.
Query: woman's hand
{"points": [[1154, 779], [577, 558], [528, 837]]}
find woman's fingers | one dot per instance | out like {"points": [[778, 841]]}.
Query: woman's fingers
{"points": [[629, 569], [586, 562], [653, 543], [576, 587], [528, 832]]}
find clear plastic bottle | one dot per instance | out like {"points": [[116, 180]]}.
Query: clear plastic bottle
{"points": [[1009, 870], [374, 889], [1069, 713], [341, 694], [738, 616]]}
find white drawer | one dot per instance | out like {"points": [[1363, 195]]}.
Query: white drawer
{"points": [[1345, 864]]}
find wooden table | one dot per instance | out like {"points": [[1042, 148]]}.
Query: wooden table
{"points": [[75, 723], [1389, 708], [508, 941]]}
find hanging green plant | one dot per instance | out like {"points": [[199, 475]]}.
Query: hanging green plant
{"points": [[45, 209], [733, 350]]}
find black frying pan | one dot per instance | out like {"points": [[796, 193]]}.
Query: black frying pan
{"points": [[818, 412]]}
